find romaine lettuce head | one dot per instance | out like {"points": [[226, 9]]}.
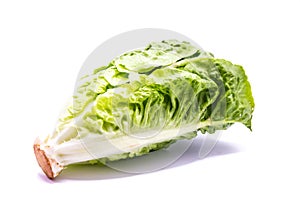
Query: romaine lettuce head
{"points": [[145, 100]]}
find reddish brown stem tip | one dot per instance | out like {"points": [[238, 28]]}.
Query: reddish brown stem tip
{"points": [[43, 161]]}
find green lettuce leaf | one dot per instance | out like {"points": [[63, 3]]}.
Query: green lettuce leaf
{"points": [[147, 99]]}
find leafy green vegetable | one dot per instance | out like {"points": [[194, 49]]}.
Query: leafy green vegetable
{"points": [[145, 100]]}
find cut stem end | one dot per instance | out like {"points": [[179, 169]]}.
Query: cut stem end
{"points": [[49, 165], [42, 160]]}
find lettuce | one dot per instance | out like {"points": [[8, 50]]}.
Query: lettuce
{"points": [[145, 100]]}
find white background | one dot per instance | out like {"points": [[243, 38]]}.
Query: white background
{"points": [[42, 47]]}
